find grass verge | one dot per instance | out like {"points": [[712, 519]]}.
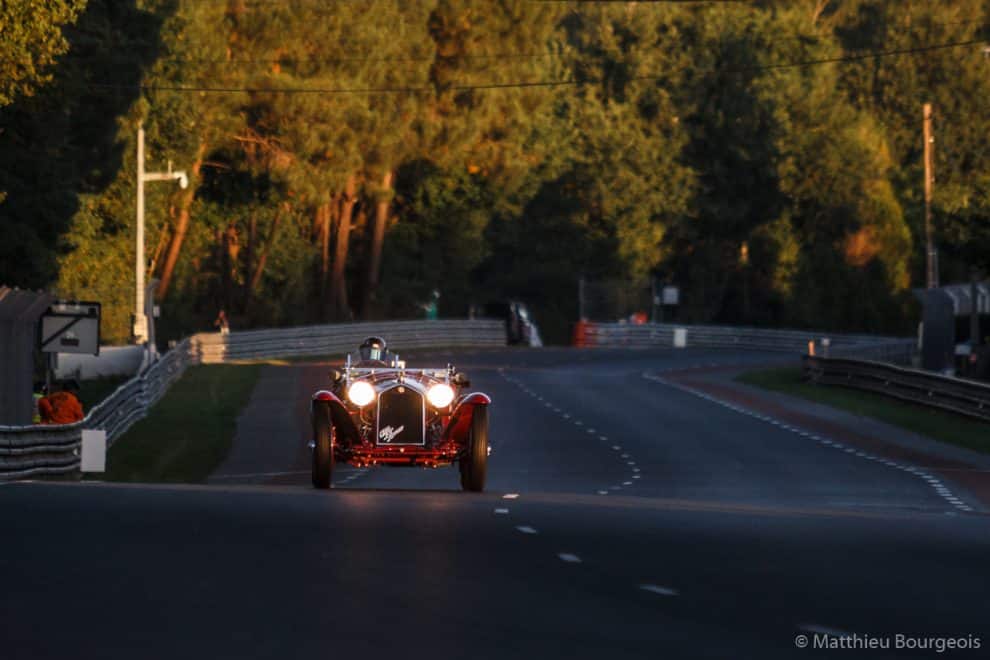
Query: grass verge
{"points": [[189, 432], [93, 392], [939, 425]]}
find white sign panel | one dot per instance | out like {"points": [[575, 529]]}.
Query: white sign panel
{"points": [[71, 327], [680, 337], [671, 295], [94, 451]]}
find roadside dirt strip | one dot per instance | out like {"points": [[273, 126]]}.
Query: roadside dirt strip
{"points": [[964, 468]]}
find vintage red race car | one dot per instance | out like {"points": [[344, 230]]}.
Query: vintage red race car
{"points": [[379, 412]]}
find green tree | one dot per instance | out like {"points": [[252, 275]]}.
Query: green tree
{"points": [[60, 155], [956, 80], [32, 42]]}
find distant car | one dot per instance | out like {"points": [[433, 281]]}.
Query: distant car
{"points": [[519, 326], [379, 412]]}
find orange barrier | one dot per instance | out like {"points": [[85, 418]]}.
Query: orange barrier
{"points": [[580, 338]]}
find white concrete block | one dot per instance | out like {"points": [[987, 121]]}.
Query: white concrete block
{"points": [[94, 451]]}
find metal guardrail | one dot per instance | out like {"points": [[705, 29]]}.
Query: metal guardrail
{"points": [[343, 337], [27, 451], [966, 397], [887, 349]]}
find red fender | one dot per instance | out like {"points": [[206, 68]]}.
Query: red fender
{"points": [[460, 420], [338, 413], [326, 395]]}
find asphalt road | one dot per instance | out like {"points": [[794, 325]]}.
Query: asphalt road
{"points": [[625, 518]]}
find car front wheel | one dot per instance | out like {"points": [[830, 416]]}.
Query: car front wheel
{"points": [[323, 439], [474, 464]]}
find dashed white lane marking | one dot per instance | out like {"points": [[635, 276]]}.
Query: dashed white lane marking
{"points": [[656, 589], [510, 496], [569, 558], [501, 511], [940, 489], [814, 628], [526, 529], [577, 422]]}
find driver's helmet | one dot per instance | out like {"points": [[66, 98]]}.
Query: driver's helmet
{"points": [[373, 348]]}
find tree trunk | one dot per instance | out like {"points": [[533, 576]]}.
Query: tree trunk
{"points": [[259, 268], [249, 250], [338, 283], [181, 225], [323, 221], [228, 251], [377, 238], [163, 241]]}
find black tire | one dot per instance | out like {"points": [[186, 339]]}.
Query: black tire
{"points": [[465, 480], [323, 437], [474, 465]]}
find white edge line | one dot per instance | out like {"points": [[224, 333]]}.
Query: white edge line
{"points": [[655, 589], [822, 630]]}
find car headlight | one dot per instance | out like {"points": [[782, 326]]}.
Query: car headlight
{"points": [[440, 395], [361, 393]]}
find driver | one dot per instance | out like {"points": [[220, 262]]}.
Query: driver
{"points": [[372, 352]]}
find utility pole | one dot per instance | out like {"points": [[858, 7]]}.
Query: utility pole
{"points": [[654, 298], [931, 259], [581, 308], [140, 329], [974, 309]]}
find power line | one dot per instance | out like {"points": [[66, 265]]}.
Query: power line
{"points": [[815, 34], [425, 88], [647, 2], [866, 55], [339, 60]]}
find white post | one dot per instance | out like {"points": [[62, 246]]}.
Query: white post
{"points": [[140, 320], [140, 317]]}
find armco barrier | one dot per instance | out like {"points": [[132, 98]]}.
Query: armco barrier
{"points": [[343, 337], [960, 396], [27, 451], [650, 335]]}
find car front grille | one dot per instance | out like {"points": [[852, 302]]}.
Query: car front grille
{"points": [[401, 417]]}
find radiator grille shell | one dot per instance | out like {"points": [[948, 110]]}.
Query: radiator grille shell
{"points": [[401, 417]]}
